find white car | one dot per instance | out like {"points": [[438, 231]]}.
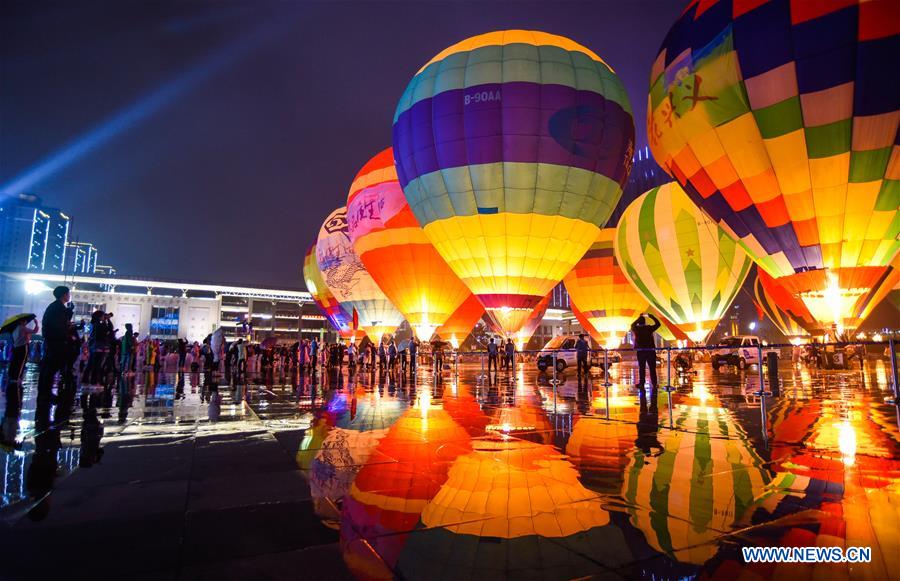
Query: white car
{"points": [[740, 351], [566, 356]]}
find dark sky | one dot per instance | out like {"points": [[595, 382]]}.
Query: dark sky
{"points": [[208, 140]]}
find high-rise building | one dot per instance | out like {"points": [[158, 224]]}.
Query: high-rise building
{"points": [[104, 270], [81, 258], [32, 237]]}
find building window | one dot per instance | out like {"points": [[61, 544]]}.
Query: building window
{"points": [[164, 323]]}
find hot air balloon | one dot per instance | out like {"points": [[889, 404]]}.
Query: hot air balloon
{"points": [[780, 121], [348, 280], [396, 252], [688, 268], [331, 309], [532, 322], [512, 148], [461, 322], [602, 293], [787, 313]]}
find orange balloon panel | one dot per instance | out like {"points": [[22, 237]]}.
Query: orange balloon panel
{"points": [[396, 252], [462, 321], [602, 293]]}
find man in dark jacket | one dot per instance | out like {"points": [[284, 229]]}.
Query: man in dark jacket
{"points": [[55, 325], [582, 348], [646, 347]]}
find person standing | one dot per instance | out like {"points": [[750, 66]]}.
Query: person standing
{"points": [[509, 355], [645, 346], [382, 356], [241, 357], [313, 355], [56, 335], [126, 350], [582, 347], [21, 338], [492, 355], [392, 354], [413, 355], [182, 352]]}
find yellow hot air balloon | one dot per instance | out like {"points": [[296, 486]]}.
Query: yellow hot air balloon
{"points": [[396, 252], [512, 148], [348, 280], [780, 120], [688, 268], [602, 293]]}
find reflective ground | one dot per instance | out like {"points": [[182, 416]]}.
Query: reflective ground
{"points": [[162, 476]]}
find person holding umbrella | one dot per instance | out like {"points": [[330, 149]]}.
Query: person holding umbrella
{"points": [[21, 329]]}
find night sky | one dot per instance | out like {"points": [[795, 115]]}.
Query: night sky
{"points": [[208, 140]]}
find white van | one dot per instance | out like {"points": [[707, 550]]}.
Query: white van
{"points": [[566, 356]]}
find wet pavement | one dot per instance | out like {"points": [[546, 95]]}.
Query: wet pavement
{"points": [[366, 475]]}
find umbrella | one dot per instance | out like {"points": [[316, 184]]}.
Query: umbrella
{"points": [[10, 323]]}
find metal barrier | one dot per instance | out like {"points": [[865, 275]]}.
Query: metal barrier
{"points": [[825, 356]]}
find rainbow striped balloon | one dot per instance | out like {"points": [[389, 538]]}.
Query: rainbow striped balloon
{"points": [[688, 268], [603, 293], [348, 280], [780, 119], [787, 313], [396, 252], [331, 309], [512, 148]]}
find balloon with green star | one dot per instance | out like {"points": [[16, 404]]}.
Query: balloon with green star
{"points": [[684, 264]]}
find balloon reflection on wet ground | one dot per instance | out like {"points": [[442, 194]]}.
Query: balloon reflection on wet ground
{"points": [[372, 475]]}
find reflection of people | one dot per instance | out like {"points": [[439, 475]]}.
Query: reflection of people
{"points": [[645, 346], [648, 426], [91, 432]]}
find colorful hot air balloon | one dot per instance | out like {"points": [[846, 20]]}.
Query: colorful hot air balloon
{"points": [[348, 280], [396, 252], [602, 292], [461, 322], [780, 120], [532, 322], [512, 148], [787, 313], [688, 268], [331, 309]]}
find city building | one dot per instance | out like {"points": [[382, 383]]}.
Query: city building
{"points": [[170, 309], [32, 236], [102, 269], [81, 258]]}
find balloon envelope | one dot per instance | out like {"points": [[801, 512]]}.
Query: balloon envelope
{"points": [[780, 120], [348, 280], [461, 322], [512, 148], [602, 292], [787, 313], [331, 309], [688, 268], [396, 252]]}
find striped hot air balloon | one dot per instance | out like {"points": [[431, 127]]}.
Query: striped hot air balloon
{"points": [[688, 268], [348, 280], [512, 148], [331, 309], [461, 322], [532, 322], [602, 292], [396, 252], [787, 313], [780, 120]]}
